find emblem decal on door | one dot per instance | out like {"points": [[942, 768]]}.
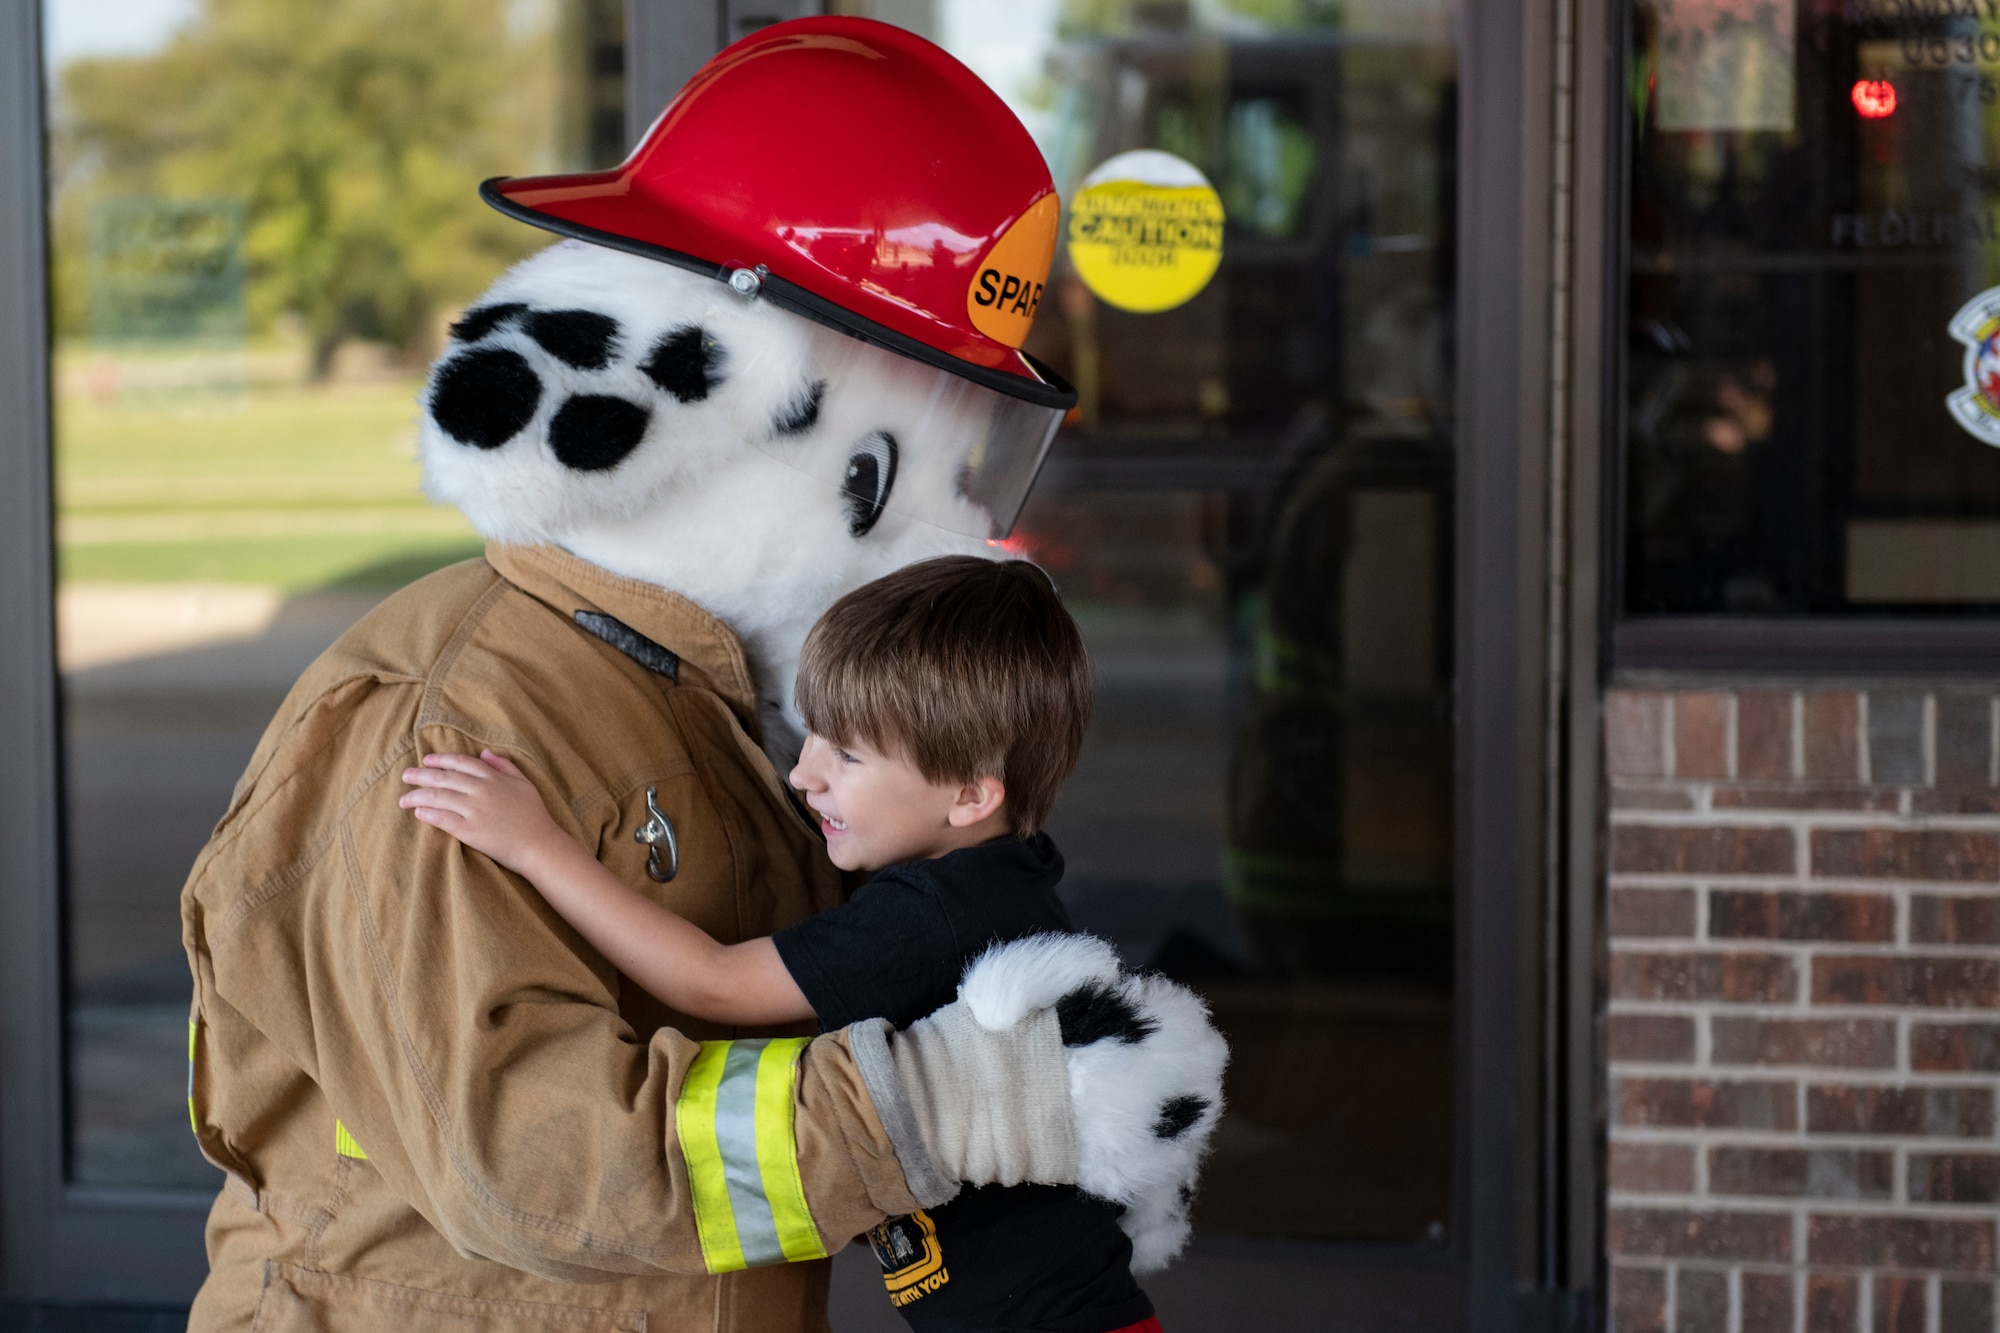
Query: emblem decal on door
{"points": [[1976, 407]]}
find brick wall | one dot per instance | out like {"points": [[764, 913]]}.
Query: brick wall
{"points": [[1804, 1021]]}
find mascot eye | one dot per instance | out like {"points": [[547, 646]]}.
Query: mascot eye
{"points": [[871, 474]]}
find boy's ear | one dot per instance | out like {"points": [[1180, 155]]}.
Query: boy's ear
{"points": [[977, 800]]}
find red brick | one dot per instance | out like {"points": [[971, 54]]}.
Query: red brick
{"points": [[1964, 740], [1680, 1233], [1801, 1173], [1652, 913], [1864, 917], [1901, 979], [1831, 723], [1652, 1168], [1929, 1111], [1766, 1302], [1965, 1307], [1833, 1303], [1634, 733], [1679, 1103], [1895, 737], [1638, 1299], [1949, 855], [1735, 978], [1657, 849], [1855, 1043], [1629, 796], [1764, 734], [1864, 799], [1701, 1300], [1955, 802], [1941, 1047], [1935, 920], [1969, 1177], [1901, 1304], [1652, 1038], [1701, 735], [1946, 1244]]}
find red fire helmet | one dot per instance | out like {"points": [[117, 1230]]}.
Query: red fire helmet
{"points": [[851, 172]]}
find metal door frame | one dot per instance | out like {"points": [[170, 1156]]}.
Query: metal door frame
{"points": [[1533, 181]]}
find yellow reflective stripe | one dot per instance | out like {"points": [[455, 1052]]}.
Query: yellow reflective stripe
{"points": [[344, 1144], [694, 1126], [194, 1123], [734, 1119], [778, 1151]]}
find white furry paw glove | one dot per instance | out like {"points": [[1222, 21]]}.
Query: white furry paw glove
{"points": [[1056, 1066]]}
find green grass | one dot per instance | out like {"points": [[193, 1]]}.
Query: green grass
{"points": [[287, 485]]}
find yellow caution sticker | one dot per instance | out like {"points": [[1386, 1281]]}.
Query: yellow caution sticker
{"points": [[1007, 287], [1145, 231]]}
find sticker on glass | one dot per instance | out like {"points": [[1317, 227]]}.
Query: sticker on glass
{"points": [[1977, 406], [1145, 231]]}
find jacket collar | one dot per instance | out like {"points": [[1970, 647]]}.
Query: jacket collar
{"points": [[569, 584]]}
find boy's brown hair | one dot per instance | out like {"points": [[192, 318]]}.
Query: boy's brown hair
{"points": [[965, 667]]}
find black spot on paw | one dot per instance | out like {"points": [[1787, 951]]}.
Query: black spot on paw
{"points": [[685, 363], [478, 323], [803, 414], [1094, 1012], [1178, 1116], [592, 431], [580, 338], [485, 397]]}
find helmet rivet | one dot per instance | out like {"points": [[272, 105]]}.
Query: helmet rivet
{"points": [[745, 282]]}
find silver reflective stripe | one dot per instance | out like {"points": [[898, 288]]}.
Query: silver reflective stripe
{"points": [[736, 1136]]}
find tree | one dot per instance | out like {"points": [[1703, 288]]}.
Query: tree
{"points": [[355, 132]]}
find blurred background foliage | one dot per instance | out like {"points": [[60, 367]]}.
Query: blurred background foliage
{"points": [[354, 134]]}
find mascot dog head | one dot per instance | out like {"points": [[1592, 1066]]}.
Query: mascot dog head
{"points": [[661, 426]]}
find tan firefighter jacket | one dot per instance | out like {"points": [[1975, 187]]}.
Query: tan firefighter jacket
{"points": [[435, 1105]]}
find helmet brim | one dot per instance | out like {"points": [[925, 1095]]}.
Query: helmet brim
{"points": [[1029, 379]]}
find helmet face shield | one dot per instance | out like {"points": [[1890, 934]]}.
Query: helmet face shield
{"points": [[890, 435]]}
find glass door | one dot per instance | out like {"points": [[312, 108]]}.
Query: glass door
{"points": [[1252, 516], [261, 218]]}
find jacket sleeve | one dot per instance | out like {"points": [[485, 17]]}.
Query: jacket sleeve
{"points": [[472, 1047]]}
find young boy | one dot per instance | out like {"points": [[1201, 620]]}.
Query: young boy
{"points": [[946, 704]]}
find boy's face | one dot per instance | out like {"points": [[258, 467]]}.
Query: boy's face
{"points": [[877, 809]]}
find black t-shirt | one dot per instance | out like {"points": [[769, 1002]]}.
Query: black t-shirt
{"points": [[1030, 1257]]}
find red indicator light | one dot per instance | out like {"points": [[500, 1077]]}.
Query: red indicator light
{"points": [[1874, 98]]}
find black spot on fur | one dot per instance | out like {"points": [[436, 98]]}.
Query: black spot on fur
{"points": [[684, 363], [803, 414], [580, 338], [1186, 1196], [1177, 1117], [1095, 1012], [478, 323], [593, 431], [484, 397]]}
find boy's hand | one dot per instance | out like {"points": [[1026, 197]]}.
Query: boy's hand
{"points": [[486, 804]]}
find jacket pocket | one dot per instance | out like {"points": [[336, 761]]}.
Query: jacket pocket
{"points": [[300, 1300]]}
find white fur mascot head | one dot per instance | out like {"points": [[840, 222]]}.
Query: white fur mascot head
{"points": [[663, 427]]}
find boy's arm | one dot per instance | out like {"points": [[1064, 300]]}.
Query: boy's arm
{"points": [[487, 804], [671, 958]]}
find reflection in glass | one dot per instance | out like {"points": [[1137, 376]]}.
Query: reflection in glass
{"points": [[1252, 520], [1812, 202], [262, 215]]}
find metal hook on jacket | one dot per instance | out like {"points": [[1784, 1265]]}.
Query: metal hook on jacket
{"points": [[655, 833]]}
